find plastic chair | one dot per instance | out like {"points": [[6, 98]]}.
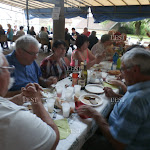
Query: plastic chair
{"points": [[3, 38]]}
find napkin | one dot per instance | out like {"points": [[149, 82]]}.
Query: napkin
{"points": [[63, 127], [77, 105], [109, 85]]}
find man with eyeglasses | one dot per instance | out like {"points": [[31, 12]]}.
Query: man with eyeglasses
{"points": [[26, 69], [128, 125], [21, 129]]}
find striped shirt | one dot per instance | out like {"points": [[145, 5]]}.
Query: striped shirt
{"points": [[130, 119], [51, 67]]}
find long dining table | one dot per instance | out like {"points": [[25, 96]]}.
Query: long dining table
{"points": [[81, 129]]}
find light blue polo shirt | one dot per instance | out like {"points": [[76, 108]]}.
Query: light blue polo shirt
{"points": [[23, 74], [130, 119]]}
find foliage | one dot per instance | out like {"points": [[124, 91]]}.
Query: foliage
{"points": [[129, 27]]}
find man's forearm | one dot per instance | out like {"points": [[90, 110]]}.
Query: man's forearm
{"points": [[42, 82], [17, 99], [12, 93], [103, 125], [40, 111]]}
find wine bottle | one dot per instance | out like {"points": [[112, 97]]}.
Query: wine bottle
{"points": [[85, 72], [75, 74], [82, 80]]}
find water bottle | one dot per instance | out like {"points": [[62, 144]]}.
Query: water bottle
{"points": [[118, 63], [114, 63], [115, 58]]}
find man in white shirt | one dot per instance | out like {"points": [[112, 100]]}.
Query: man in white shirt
{"points": [[20, 129], [21, 32], [101, 47]]}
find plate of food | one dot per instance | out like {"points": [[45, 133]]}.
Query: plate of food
{"points": [[94, 88], [114, 72], [91, 99]]}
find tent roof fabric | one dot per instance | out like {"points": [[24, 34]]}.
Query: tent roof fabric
{"points": [[115, 10], [120, 13], [34, 4]]}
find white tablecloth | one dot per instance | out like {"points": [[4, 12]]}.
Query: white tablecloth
{"points": [[81, 129]]}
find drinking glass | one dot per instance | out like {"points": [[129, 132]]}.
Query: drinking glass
{"points": [[50, 105], [77, 89], [104, 75], [59, 91], [68, 96], [66, 109]]}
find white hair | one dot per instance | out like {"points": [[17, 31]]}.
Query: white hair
{"points": [[1, 58], [25, 41], [137, 56]]}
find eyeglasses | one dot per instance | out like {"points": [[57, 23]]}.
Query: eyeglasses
{"points": [[10, 68], [31, 53]]}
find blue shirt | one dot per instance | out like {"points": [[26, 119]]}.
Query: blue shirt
{"points": [[130, 119], [23, 74], [10, 34]]}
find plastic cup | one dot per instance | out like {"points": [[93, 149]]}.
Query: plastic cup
{"points": [[50, 105], [104, 75], [66, 109], [68, 96], [59, 91], [72, 105], [77, 89], [70, 89]]}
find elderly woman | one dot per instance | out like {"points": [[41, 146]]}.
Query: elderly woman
{"points": [[82, 53], [54, 65]]}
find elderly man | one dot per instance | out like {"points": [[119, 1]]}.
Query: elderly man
{"points": [[103, 46], [23, 58], [20, 129], [129, 122]]}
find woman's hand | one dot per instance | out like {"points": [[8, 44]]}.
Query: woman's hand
{"points": [[51, 80]]}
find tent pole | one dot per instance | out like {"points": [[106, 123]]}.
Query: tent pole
{"points": [[88, 18], [27, 16], [59, 25]]}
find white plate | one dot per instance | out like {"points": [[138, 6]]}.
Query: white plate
{"points": [[87, 102], [94, 88]]}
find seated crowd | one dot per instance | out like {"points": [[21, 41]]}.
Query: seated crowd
{"points": [[128, 124]]}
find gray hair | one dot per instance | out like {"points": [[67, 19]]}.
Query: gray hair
{"points": [[137, 56], [25, 41]]}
